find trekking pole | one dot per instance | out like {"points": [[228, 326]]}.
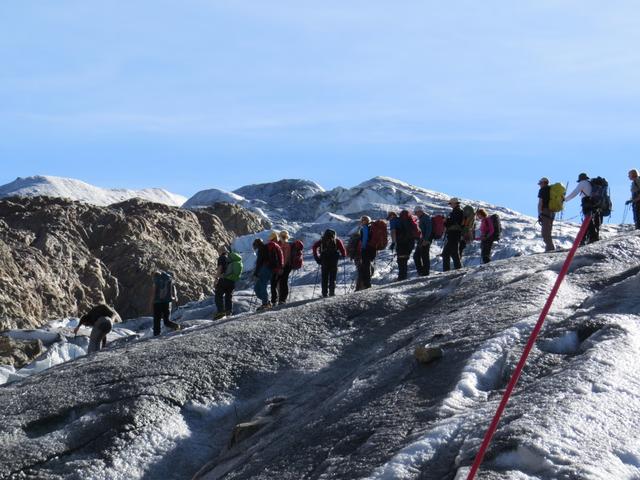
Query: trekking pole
{"points": [[344, 276], [315, 283], [624, 215]]}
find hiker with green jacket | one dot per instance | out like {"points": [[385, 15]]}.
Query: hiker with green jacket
{"points": [[228, 273]]}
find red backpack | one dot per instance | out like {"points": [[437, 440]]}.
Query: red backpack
{"points": [[297, 255], [378, 238], [409, 225], [276, 259], [437, 227]]}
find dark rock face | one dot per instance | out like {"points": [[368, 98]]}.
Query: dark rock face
{"points": [[18, 353], [236, 219], [59, 257]]}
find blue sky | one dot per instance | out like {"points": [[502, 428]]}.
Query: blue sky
{"points": [[476, 99]]}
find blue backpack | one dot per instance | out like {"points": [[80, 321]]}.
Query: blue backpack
{"points": [[165, 289]]}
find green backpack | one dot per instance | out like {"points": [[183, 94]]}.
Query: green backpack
{"points": [[234, 267], [556, 197]]}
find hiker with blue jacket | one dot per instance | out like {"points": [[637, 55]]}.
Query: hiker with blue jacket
{"points": [[584, 189], [421, 255], [163, 293], [367, 255], [228, 273]]}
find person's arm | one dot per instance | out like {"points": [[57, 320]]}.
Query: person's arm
{"points": [[540, 205], [575, 192], [343, 251], [315, 248]]}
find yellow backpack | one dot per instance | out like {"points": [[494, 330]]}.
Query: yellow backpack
{"points": [[556, 197]]}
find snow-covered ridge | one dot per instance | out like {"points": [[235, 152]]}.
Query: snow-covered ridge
{"points": [[78, 190]]}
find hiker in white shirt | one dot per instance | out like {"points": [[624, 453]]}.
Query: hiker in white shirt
{"points": [[584, 189]]}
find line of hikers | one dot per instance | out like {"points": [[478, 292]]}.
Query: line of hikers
{"points": [[410, 233]]}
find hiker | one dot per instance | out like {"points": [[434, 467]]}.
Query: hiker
{"points": [[101, 319], [545, 215], [367, 255], [468, 227], [269, 261], [487, 235], [421, 254], [353, 251], [404, 232], [635, 197], [280, 283], [262, 273], [163, 293], [228, 273], [453, 225], [327, 251], [584, 188]]}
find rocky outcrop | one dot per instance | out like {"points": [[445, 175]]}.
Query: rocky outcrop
{"points": [[236, 219], [18, 353], [58, 257]]}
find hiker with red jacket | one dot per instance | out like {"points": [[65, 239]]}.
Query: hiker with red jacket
{"points": [[453, 225], [404, 232], [280, 283], [327, 251], [367, 255], [421, 255], [487, 235], [268, 262]]}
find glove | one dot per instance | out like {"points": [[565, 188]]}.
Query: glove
{"points": [[628, 202], [318, 261], [392, 246]]}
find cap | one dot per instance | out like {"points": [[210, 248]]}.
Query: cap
{"points": [[543, 180], [582, 176], [391, 215], [454, 201], [418, 209]]}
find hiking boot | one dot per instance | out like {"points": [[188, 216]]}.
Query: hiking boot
{"points": [[228, 314], [264, 307], [219, 315]]}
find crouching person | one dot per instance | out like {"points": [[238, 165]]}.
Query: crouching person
{"points": [[100, 318]]}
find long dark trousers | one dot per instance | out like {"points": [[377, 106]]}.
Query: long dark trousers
{"points": [[162, 311], [422, 260], [451, 251], [224, 295]]}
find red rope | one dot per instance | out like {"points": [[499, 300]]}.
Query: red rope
{"points": [[527, 349]]}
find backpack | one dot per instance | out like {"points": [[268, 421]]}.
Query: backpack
{"points": [[556, 197], [437, 227], [378, 238], [234, 267], [353, 250], [275, 259], [165, 289], [468, 222], [297, 255], [497, 226], [329, 245], [600, 199], [409, 228]]}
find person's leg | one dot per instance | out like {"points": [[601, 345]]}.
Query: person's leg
{"points": [[283, 286], [219, 293], [446, 256], [157, 316], [333, 274], [275, 280], [485, 250], [455, 253], [417, 260], [366, 272], [264, 276], [228, 296], [425, 252], [403, 267], [166, 317], [547, 229], [324, 282]]}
